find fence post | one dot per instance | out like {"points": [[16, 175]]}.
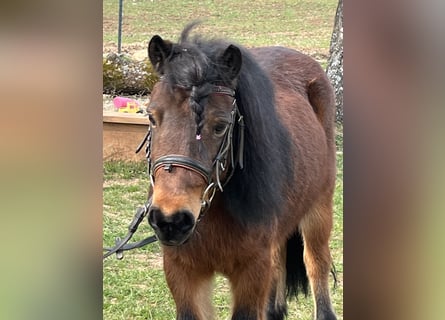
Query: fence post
{"points": [[119, 32]]}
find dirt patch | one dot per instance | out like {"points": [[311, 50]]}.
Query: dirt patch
{"points": [[156, 261], [122, 182], [138, 50]]}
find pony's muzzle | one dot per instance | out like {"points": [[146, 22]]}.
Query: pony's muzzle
{"points": [[173, 229]]}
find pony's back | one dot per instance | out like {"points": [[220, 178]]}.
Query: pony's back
{"points": [[295, 71]]}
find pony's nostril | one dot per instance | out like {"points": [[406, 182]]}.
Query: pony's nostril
{"points": [[184, 220], [154, 217]]}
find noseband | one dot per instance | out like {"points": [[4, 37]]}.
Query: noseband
{"points": [[212, 176]]}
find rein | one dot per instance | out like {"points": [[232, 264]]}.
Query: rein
{"points": [[212, 176]]}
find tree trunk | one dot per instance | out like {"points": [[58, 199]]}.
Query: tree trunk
{"points": [[335, 62]]}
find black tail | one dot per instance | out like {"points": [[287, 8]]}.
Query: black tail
{"points": [[296, 277]]}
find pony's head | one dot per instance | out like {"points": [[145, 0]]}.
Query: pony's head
{"points": [[192, 111]]}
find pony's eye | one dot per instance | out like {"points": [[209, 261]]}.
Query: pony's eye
{"points": [[152, 120], [220, 129]]}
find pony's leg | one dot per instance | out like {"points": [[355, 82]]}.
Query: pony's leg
{"points": [[191, 291], [277, 308], [316, 228], [251, 286]]}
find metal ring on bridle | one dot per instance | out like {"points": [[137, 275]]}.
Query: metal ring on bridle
{"points": [[207, 195]]}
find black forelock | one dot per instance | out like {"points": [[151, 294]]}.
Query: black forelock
{"points": [[198, 101], [187, 66], [194, 60]]}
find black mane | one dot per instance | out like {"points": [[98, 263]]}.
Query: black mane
{"points": [[257, 191]]}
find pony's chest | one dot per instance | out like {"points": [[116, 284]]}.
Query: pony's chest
{"points": [[223, 247], [219, 243]]}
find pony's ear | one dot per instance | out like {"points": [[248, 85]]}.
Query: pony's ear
{"points": [[158, 51], [231, 60]]}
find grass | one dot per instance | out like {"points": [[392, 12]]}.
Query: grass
{"points": [[135, 287], [305, 25]]}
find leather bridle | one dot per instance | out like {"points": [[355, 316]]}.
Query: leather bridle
{"points": [[212, 175], [226, 153]]}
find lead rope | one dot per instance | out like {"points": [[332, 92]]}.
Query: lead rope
{"points": [[141, 212], [122, 245]]}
